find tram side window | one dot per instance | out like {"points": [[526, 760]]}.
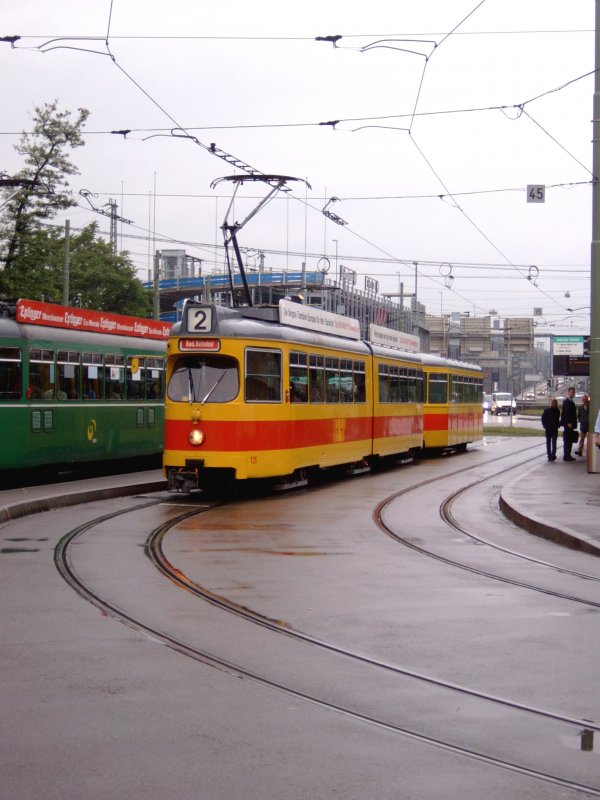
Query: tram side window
{"points": [[384, 385], [298, 377], [114, 377], [470, 390], [456, 394], [420, 386], [68, 373], [204, 379], [10, 373], [332, 377], [393, 384], [414, 386], [42, 375], [93, 376], [263, 376], [438, 388], [155, 381], [404, 385], [360, 391], [346, 381], [396, 383], [316, 379], [136, 378]]}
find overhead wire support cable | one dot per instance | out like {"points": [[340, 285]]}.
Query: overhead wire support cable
{"points": [[180, 132], [212, 148]]}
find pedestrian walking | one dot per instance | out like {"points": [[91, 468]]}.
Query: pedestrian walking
{"points": [[551, 423], [597, 431], [583, 417], [568, 421]]}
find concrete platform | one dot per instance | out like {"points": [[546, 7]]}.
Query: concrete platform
{"points": [[559, 501], [15, 503]]}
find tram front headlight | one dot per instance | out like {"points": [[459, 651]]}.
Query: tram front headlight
{"points": [[196, 437]]}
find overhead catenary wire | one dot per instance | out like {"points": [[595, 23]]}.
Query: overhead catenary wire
{"points": [[187, 131]]}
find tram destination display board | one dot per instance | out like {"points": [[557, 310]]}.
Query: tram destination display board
{"points": [[571, 356]]}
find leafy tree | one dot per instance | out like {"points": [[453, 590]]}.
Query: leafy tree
{"points": [[97, 278], [32, 252], [43, 189]]}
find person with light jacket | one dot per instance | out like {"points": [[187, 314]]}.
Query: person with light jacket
{"points": [[597, 431], [583, 417]]}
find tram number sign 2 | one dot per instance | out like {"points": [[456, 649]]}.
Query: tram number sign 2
{"points": [[536, 193], [199, 320]]}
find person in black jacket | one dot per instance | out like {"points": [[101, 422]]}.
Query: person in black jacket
{"points": [[551, 423], [568, 420]]}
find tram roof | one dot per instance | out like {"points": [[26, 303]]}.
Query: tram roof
{"points": [[12, 330], [263, 323], [432, 360]]}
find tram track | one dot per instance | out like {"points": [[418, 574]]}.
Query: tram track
{"points": [[153, 550], [445, 509], [448, 517]]}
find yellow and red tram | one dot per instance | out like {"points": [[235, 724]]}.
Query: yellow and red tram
{"points": [[452, 415], [271, 393]]}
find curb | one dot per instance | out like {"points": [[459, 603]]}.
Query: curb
{"points": [[538, 527], [36, 505]]}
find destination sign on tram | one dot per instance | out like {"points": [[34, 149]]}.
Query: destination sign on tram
{"points": [[199, 345]]}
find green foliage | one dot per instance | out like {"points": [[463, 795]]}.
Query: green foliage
{"points": [[97, 278], [32, 253], [44, 190], [511, 430]]}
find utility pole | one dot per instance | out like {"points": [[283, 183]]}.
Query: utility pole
{"points": [[112, 204], [156, 286], [593, 452], [112, 214], [66, 268]]}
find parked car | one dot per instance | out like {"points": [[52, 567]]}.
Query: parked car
{"points": [[503, 403]]}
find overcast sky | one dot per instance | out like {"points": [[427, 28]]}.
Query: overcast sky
{"points": [[444, 111]]}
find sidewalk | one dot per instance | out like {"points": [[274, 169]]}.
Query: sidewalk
{"points": [[558, 501], [16, 503]]}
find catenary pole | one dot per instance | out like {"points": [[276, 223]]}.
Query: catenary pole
{"points": [[594, 452]]}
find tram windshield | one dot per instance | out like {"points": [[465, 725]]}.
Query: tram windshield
{"points": [[204, 378]]}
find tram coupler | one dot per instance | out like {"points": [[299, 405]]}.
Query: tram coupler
{"points": [[183, 480]]}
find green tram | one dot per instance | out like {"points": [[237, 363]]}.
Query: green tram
{"points": [[78, 386]]}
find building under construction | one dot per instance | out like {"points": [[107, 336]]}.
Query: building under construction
{"points": [[503, 348]]}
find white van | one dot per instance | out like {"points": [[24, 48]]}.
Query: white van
{"points": [[503, 403]]}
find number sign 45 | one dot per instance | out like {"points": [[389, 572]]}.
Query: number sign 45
{"points": [[536, 193]]}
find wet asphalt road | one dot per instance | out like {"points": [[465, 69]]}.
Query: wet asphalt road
{"points": [[96, 708]]}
